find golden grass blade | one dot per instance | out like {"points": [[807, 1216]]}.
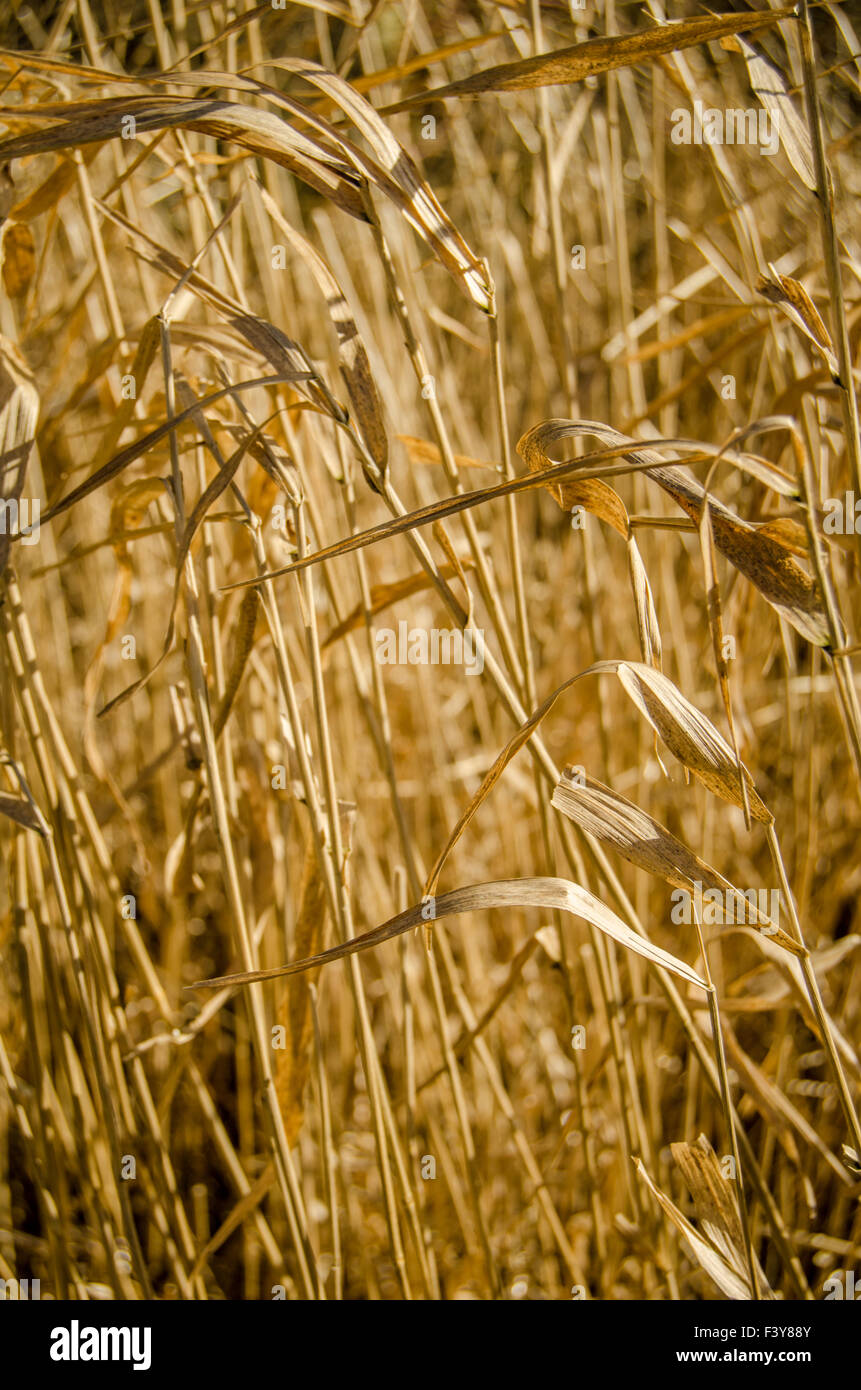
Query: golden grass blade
{"points": [[778, 1109], [142, 446], [643, 841], [633, 833], [243, 640], [599, 55], [352, 353], [19, 411], [128, 513], [18, 809], [537, 441], [492, 776], [790, 969], [788, 533], [730, 1282], [595, 495], [553, 893], [145, 355], [399, 178], [421, 451], [723, 318], [46, 196], [293, 1060], [759, 557], [79, 123], [716, 1212], [23, 60], [648, 628], [451, 506], [384, 595], [212, 492], [339, 11], [368, 81], [271, 343], [18, 251], [691, 737], [686, 732], [245, 1207], [792, 298], [599, 498], [714, 607], [769, 87]]}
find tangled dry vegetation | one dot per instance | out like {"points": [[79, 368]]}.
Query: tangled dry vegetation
{"points": [[282, 290]]}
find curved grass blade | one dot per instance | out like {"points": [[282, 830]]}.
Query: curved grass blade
{"points": [[553, 893], [597, 55]]}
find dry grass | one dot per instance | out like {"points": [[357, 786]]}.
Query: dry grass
{"points": [[210, 774]]}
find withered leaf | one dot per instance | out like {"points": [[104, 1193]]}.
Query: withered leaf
{"points": [[555, 893], [599, 55], [792, 298]]}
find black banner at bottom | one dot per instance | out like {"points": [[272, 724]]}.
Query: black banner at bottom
{"points": [[85, 1341]]}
